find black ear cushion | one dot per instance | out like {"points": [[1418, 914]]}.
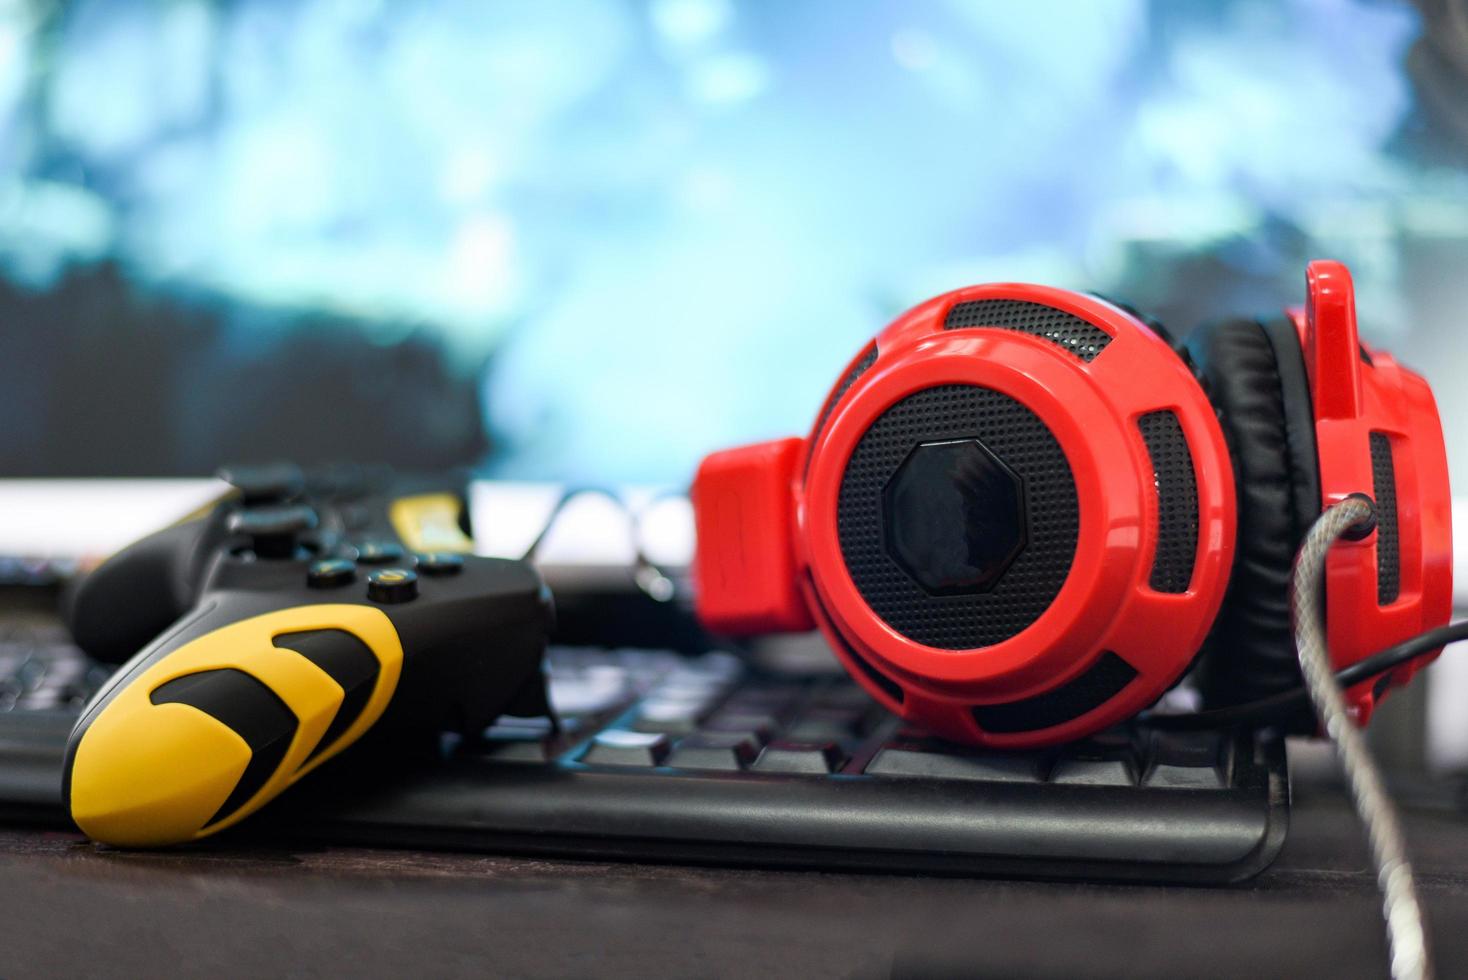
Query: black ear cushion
{"points": [[1255, 374], [1161, 330]]}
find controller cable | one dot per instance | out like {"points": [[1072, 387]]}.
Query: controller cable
{"points": [[652, 578]]}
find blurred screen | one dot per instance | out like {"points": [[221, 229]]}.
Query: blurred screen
{"points": [[594, 240]]}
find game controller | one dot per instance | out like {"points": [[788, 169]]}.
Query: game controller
{"points": [[273, 631]]}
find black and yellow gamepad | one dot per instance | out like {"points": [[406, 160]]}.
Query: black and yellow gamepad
{"points": [[277, 629]]}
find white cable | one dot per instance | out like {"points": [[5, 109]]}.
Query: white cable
{"points": [[1406, 931]]}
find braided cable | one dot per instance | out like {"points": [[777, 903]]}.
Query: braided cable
{"points": [[1401, 907]]}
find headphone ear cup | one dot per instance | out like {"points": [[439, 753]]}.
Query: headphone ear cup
{"points": [[1162, 330], [744, 519], [1255, 375]]}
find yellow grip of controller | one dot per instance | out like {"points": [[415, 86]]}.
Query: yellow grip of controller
{"points": [[146, 774]]}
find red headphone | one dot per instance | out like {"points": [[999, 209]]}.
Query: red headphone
{"points": [[1023, 514]]}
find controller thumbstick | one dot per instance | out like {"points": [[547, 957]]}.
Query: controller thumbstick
{"points": [[266, 483], [274, 532]]}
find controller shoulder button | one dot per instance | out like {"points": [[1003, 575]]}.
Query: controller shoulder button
{"points": [[266, 482]]}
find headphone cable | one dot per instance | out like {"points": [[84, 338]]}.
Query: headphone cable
{"points": [[1322, 688], [1406, 930], [1257, 714]]}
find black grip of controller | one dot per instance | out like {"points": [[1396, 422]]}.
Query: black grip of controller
{"points": [[111, 617]]}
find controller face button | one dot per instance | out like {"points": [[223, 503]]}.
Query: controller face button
{"points": [[379, 552], [440, 563], [330, 573], [388, 585]]}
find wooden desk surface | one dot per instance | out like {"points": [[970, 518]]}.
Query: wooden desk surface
{"points": [[70, 908]]}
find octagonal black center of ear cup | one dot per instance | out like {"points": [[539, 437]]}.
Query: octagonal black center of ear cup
{"points": [[1255, 375], [953, 516], [1003, 465]]}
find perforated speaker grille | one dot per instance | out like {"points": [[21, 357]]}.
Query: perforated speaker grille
{"points": [[1065, 330], [1388, 532], [1023, 442], [857, 370], [1177, 501]]}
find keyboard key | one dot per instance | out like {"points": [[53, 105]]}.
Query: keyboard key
{"points": [[829, 725], [725, 666], [763, 726], [800, 757], [66, 670], [1103, 761], [32, 671], [682, 724], [527, 750], [589, 691], [515, 740], [688, 690], [647, 666], [727, 751], [1094, 772], [936, 760], [1187, 760], [673, 714], [624, 748], [774, 701], [514, 724], [843, 696], [818, 730]]}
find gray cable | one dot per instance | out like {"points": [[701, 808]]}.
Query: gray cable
{"points": [[1405, 929]]}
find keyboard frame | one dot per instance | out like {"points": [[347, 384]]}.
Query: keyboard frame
{"points": [[834, 823], [860, 823]]}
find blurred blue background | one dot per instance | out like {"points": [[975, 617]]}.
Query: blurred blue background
{"points": [[593, 240]]}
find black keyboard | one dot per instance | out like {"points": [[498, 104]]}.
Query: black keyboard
{"points": [[41, 671], [663, 757]]}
